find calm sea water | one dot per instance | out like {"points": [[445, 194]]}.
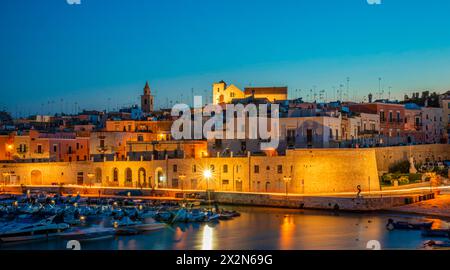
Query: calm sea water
{"points": [[265, 228]]}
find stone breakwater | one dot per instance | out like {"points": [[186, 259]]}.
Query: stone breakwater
{"points": [[320, 202], [343, 203]]}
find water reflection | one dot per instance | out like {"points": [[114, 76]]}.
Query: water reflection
{"points": [[207, 239], [287, 231], [266, 229]]}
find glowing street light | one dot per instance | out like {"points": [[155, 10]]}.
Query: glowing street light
{"points": [[207, 174]]}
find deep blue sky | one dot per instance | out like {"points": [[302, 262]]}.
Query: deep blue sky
{"points": [[107, 49]]}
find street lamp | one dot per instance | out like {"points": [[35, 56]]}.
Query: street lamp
{"points": [[287, 179], [207, 174]]}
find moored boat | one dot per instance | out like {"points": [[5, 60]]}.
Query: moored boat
{"points": [[88, 234], [403, 225], [44, 229], [436, 232]]}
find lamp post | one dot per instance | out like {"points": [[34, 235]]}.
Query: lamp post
{"points": [[287, 179], [207, 174]]}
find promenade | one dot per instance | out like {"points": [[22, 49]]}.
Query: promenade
{"points": [[439, 207]]}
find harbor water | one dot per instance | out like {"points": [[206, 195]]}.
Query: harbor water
{"points": [[263, 229]]}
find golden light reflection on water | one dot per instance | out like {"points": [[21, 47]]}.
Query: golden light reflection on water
{"points": [[287, 232], [207, 238]]}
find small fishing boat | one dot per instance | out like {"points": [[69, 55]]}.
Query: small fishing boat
{"points": [[211, 217], [403, 225], [196, 215], [437, 244], [436, 232], [44, 229], [163, 215]]}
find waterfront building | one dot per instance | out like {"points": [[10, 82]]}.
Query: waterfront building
{"points": [[300, 171], [36, 146], [369, 130], [310, 132], [432, 124], [391, 115], [445, 105], [413, 124]]}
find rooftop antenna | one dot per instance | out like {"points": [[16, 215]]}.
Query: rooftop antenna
{"points": [[389, 93], [315, 94], [348, 88], [379, 88], [334, 92]]}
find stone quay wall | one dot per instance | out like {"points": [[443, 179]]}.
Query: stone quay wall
{"points": [[301, 171]]}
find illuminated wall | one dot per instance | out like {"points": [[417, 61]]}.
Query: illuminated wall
{"points": [[301, 171]]}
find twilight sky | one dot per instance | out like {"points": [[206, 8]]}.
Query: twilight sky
{"points": [[55, 56]]}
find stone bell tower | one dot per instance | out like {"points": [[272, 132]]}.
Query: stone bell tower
{"points": [[147, 100]]}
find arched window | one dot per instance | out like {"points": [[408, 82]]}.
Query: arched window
{"points": [[115, 175], [128, 175], [141, 177]]}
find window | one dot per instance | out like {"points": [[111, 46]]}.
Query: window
{"points": [[225, 182], [225, 168], [398, 117], [55, 148], [382, 117], [390, 117], [280, 168], [175, 168], [268, 168], [102, 143], [78, 146], [115, 175], [39, 148], [80, 178], [194, 168], [128, 175], [256, 169]]}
